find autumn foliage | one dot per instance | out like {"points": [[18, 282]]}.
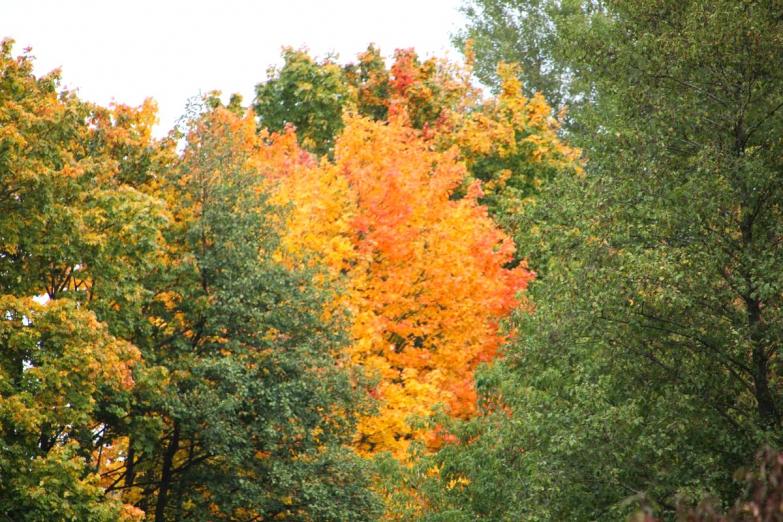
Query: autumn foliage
{"points": [[227, 319], [317, 307], [398, 216], [425, 276]]}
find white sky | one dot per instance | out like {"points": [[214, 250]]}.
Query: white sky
{"points": [[173, 50]]}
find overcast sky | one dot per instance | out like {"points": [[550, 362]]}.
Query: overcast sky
{"points": [[172, 50]]}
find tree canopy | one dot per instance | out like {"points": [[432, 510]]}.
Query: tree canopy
{"points": [[384, 292]]}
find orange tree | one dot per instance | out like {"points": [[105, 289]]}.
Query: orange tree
{"points": [[407, 213], [424, 272]]}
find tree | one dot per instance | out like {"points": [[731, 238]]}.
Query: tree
{"points": [[650, 364], [72, 174], [424, 273], [524, 32], [307, 94], [511, 144], [312, 96], [173, 368], [76, 217], [61, 375], [253, 413]]}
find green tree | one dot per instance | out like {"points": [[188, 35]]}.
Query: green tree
{"points": [[651, 366], [254, 412], [371, 79], [524, 32], [307, 94]]}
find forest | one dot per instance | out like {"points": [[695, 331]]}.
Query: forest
{"points": [[542, 282]]}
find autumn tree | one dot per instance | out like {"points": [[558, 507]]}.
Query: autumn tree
{"points": [[74, 218], [312, 95], [513, 145], [395, 204], [62, 379], [172, 367], [424, 272]]}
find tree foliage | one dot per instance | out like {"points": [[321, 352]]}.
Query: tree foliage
{"points": [[307, 94], [383, 292], [255, 413], [171, 368], [524, 32], [73, 177], [425, 276], [649, 369]]}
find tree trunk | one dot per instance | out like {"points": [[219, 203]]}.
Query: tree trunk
{"points": [[165, 478], [130, 468], [767, 410]]}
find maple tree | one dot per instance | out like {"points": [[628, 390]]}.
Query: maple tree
{"points": [[424, 273], [512, 144], [62, 376], [308, 94], [401, 223], [74, 218]]}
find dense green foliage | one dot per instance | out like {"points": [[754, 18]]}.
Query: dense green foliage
{"points": [[307, 94], [517, 31], [253, 394], [650, 369]]}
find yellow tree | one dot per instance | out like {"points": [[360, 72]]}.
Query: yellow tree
{"points": [[425, 275], [511, 144]]}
